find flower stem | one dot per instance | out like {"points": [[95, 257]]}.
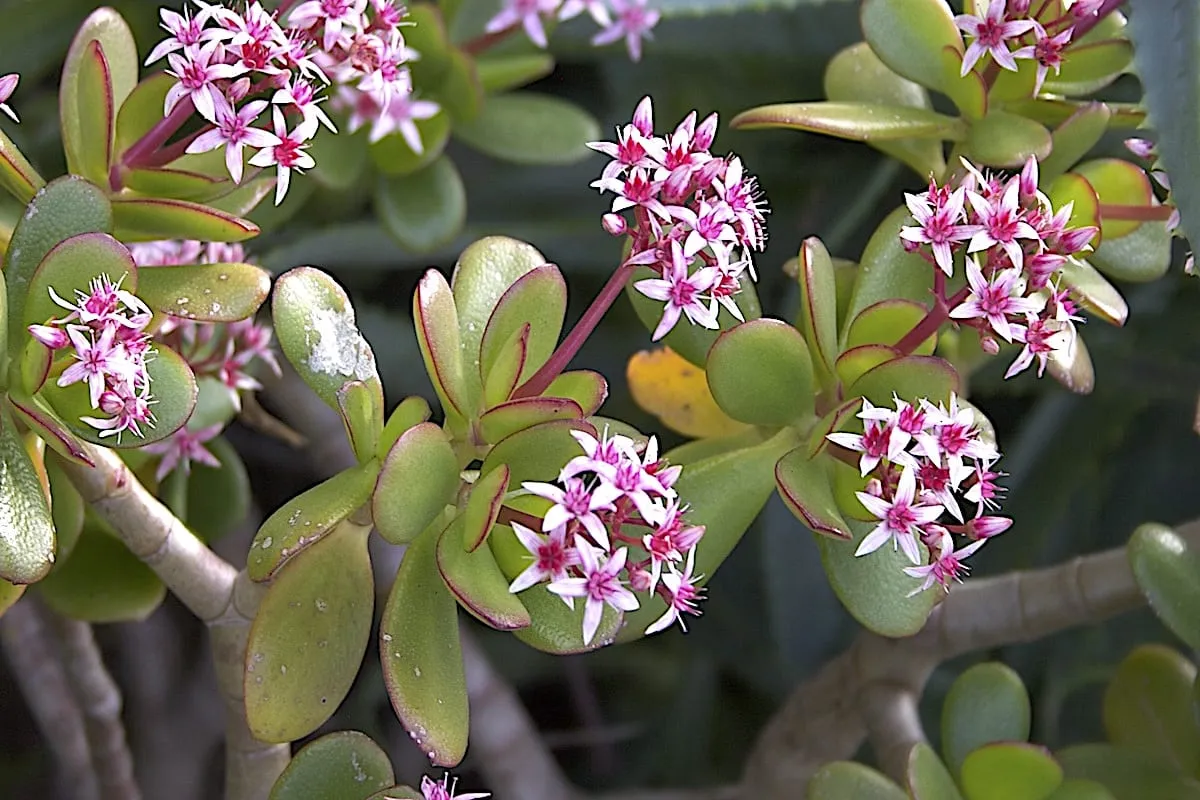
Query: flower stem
{"points": [[486, 41], [578, 335], [1084, 25], [932, 320], [507, 516], [141, 153], [1140, 213]]}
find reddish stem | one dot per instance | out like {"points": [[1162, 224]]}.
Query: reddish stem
{"points": [[486, 41], [507, 516], [932, 320], [1083, 26], [578, 335], [1140, 213], [141, 152]]}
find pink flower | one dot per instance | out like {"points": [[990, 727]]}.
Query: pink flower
{"points": [[634, 21], [187, 31], [1041, 337], [900, 519], [1001, 224], [576, 503], [181, 448], [682, 293], [197, 69], [339, 18], [991, 33], [599, 454], [98, 360], [947, 566], [128, 410], [288, 154], [880, 439], [684, 592], [8, 85], [300, 94], [445, 790], [234, 131], [669, 540], [401, 116], [1048, 52], [596, 9], [528, 14], [551, 557], [996, 300], [600, 586], [938, 224]]}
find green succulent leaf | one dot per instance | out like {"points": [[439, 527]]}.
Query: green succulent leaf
{"points": [[840, 780], [587, 388], [423, 209], [911, 378], [142, 108], [70, 267], [538, 298], [1127, 773], [860, 122], [421, 655], [1139, 257], [205, 292], [538, 453], [419, 478], [502, 73], [987, 703], [483, 506], [1148, 706], [346, 765], [1004, 139], [35, 413], [315, 323], [230, 482], [306, 519], [1010, 769], [886, 271], [886, 323], [1166, 569], [26, 527], [361, 408], [411, 411], [818, 306], [853, 363], [528, 128], [476, 580], [908, 36], [1073, 139], [805, 485], [395, 158], [102, 581], [1090, 66], [435, 318], [504, 420], [761, 373], [1094, 292], [341, 159], [309, 636], [1073, 369], [1117, 182], [928, 778], [152, 219], [17, 175], [1081, 789]]}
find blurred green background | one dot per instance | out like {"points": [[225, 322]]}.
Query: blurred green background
{"points": [[683, 710]]}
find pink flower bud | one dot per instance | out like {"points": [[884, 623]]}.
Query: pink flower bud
{"points": [[1018, 8], [931, 537], [615, 224], [705, 133], [987, 527], [238, 90], [677, 186], [54, 338], [643, 117], [1029, 179], [8, 85], [640, 580], [1142, 148], [875, 488], [988, 344]]}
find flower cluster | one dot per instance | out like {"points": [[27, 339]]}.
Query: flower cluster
{"points": [[690, 208], [225, 351], [106, 330], [8, 85], [1008, 31], [1016, 245], [614, 512], [231, 67], [921, 460], [444, 790], [631, 20]]}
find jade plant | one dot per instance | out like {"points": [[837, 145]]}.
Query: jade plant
{"points": [[129, 342]]}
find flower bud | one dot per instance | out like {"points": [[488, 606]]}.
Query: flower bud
{"points": [[1142, 148], [238, 90], [640, 580], [54, 338], [987, 527], [705, 133], [1019, 8], [989, 344], [615, 224]]}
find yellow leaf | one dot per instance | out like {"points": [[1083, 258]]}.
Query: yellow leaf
{"points": [[676, 391]]}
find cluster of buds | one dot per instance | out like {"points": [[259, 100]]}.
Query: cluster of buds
{"points": [[225, 351], [614, 512], [1009, 30], [106, 330], [232, 66], [1016, 245], [920, 460], [690, 209], [631, 20], [445, 788]]}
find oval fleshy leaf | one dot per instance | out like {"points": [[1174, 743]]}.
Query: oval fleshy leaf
{"points": [[1073, 368], [178, 184], [361, 408], [841, 780], [987, 703], [61, 209], [874, 587], [418, 479], [1078, 789], [517, 415], [1010, 769], [395, 157], [1073, 139], [501, 379], [67, 509], [835, 420], [1094, 292], [102, 582], [483, 506], [537, 453], [510, 281], [853, 363], [341, 159], [315, 323], [398, 793], [886, 323], [587, 388], [1085, 205], [1165, 567], [10, 593], [1141, 256], [205, 292], [857, 74], [804, 485], [34, 367], [476, 580], [1148, 706], [910, 377], [17, 175], [142, 109], [908, 35], [528, 128], [346, 765], [886, 271], [421, 655], [26, 527], [500, 73], [230, 482], [40, 418], [425, 209], [309, 636], [70, 267], [152, 219], [411, 411], [928, 778], [306, 519], [860, 122], [818, 304], [99, 73], [436, 320], [1089, 67], [1117, 182], [1128, 774], [676, 391], [1003, 139], [761, 373], [538, 298]]}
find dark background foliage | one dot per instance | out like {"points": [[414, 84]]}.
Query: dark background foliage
{"points": [[683, 710]]}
